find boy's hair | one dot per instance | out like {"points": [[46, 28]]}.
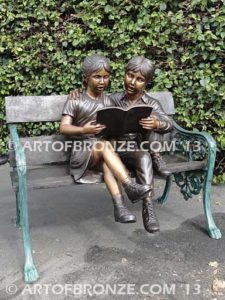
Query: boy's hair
{"points": [[143, 65], [94, 63]]}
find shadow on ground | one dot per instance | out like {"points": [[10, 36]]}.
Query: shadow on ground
{"points": [[171, 265]]}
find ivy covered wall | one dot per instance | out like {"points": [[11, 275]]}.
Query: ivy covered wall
{"points": [[43, 42]]}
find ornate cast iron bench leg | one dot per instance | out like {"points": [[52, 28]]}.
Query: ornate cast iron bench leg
{"points": [[191, 182], [213, 230], [164, 197], [30, 271]]}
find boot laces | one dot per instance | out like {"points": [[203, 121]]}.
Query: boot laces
{"points": [[123, 209], [159, 162], [150, 210], [149, 213]]}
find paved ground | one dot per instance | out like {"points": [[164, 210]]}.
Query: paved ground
{"points": [[77, 244]]}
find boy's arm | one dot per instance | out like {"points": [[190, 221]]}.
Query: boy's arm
{"points": [[74, 94], [112, 99]]}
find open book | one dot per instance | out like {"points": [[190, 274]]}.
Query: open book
{"points": [[119, 121]]}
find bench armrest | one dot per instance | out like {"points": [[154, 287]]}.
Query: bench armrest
{"points": [[195, 145], [19, 151]]}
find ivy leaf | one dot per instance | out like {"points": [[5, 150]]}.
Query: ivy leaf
{"points": [[204, 81], [163, 6]]}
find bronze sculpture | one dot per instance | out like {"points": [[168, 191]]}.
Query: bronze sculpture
{"points": [[78, 117], [138, 73]]}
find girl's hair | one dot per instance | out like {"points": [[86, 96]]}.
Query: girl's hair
{"points": [[143, 65], [94, 63]]}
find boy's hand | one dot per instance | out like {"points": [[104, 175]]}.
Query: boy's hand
{"points": [[150, 123], [90, 128], [75, 94]]}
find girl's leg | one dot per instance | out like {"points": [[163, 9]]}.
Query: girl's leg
{"points": [[110, 181], [121, 213], [103, 151]]}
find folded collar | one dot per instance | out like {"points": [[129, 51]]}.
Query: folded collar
{"points": [[144, 98]]}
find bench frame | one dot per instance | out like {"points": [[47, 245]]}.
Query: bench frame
{"points": [[190, 181]]}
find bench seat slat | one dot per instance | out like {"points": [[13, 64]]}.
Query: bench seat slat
{"points": [[186, 166], [47, 176], [55, 175]]}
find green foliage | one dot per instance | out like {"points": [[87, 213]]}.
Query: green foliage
{"points": [[43, 42]]}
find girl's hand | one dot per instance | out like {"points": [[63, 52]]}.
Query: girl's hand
{"points": [[89, 128]]}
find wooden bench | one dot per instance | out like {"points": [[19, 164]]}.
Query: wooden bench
{"points": [[47, 168]]}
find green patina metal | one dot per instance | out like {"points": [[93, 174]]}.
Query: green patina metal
{"points": [[191, 146], [18, 223], [163, 199], [30, 271], [191, 183]]}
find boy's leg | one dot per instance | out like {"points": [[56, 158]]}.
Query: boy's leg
{"points": [[157, 143], [141, 163]]}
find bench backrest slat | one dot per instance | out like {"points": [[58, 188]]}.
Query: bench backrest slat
{"points": [[34, 108], [49, 108], [44, 150], [166, 100]]}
